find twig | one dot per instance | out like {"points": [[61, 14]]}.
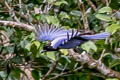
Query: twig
{"points": [[76, 65], [6, 4], [84, 17], [18, 25], [52, 68], [102, 54], [107, 2], [5, 42], [106, 41], [85, 58], [27, 69], [61, 74], [4, 39], [64, 68], [11, 11], [20, 2], [92, 5]]}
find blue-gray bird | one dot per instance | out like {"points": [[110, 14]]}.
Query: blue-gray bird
{"points": [[61, 38]]}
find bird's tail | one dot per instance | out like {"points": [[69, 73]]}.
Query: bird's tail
{"points": [[96, 36]]}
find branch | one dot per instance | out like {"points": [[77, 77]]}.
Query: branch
{"points": [[101, 56], [64, 73], [52, 68], [11, 11], [4, 38], [17, 25], [84, 17], [86, 59], [92, 5]]}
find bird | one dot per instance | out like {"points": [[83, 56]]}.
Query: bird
{"points": [[61, 38]]}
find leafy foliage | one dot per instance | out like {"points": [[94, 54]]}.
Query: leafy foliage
{"points": [[23, 51]]}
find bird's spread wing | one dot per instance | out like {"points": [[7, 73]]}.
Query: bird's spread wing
{"points": [[76, 35], [64, 39], [46, 32]]}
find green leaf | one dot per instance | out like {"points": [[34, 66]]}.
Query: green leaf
{"points": [[51, 1], [52, 20], [39, 17], [33, 48], [17, 59], [58, 3], [66, 58], [37, 43], [64, 51], [113, 28], [35, 74], [3, 74], [106, 54], [114, 63], [75, 13], [105, 10], [89, 46], [64, 15], [10, 49], [16, 73], [10, 32], [51, 55], [103, 17]]}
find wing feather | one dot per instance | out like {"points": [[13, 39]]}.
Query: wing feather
{"points": [[72, 34], [46, 32]]}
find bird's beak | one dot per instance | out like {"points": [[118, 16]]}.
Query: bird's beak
{"points": [[42, 51]]}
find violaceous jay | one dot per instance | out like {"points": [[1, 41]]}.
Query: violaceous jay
{"points": [[61, 38]]}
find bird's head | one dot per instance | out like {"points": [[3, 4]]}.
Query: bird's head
{"points": [[48, 48]]}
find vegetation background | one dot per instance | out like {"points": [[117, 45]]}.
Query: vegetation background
{"points": [[20, 57]]}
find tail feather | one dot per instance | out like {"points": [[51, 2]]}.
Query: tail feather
{"points": [[96, 36]]}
